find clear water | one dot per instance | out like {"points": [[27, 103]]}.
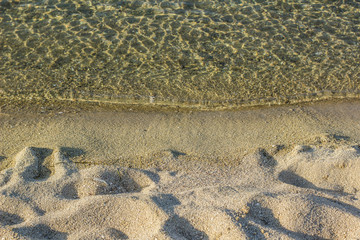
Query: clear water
{"points": [[180, 52]]}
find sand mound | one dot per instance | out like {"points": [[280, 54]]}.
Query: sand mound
{"points": [[308, 193], [330, 169]]}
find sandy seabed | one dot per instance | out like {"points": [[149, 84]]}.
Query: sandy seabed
{"points": [[287, 172]]}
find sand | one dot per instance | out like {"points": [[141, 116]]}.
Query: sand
{"points": [[285, 172]]}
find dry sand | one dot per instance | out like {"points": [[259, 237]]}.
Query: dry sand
{"points": [[287, 172]]}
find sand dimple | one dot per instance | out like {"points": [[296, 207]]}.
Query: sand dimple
{"points": [[265, 197], [102, 180]]}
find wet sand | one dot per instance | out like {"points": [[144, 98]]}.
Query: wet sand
{"points": [[286, 172]]}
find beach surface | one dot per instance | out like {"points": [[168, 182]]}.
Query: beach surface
{"points": [[280, 172]]}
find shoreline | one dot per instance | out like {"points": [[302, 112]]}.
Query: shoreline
{"points": [[11, 103]]}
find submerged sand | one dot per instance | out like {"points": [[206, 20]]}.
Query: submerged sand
{"points": [[287, 172]]}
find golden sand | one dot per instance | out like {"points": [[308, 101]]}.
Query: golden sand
{"points": [[286, 172]]}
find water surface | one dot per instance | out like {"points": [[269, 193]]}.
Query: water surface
{"points": [[180, 52]]}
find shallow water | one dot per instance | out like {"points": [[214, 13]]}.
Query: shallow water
{"points": [[195, 52]]}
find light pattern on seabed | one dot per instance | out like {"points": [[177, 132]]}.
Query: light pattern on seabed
{"points": [[194, 52]]}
